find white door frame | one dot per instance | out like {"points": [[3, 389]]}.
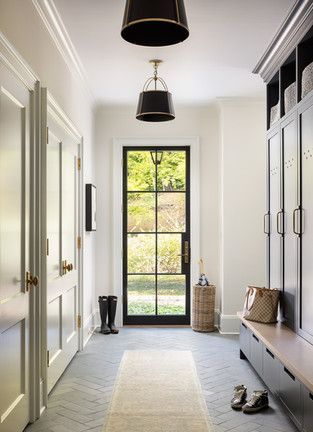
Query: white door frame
{"points": [[118, 145], [50, 107], [21, 70]]}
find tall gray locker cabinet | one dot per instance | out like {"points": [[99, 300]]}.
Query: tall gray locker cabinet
{"points": [[287, 69]]}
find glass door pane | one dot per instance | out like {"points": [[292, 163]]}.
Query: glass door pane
{"points": [[156, 235]]}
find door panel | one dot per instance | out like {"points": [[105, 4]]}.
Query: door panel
{"points": [[306, 130], [69, 205], [62, 271], [14, 252], [289, 136], [156, 264], [275, 208], [53, 208]]}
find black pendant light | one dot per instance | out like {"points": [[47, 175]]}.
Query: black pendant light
{"points": [[155, 22], [155, 105]]}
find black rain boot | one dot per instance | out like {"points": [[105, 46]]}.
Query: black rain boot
{"points": [[103, 305], [112, 312]]}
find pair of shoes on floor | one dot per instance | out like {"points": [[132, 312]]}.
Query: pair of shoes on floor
{"points": [[107, 306], [257, 402]]}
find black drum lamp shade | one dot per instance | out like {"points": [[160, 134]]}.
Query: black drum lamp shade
{"points": [[155, 22], [155, 105]]}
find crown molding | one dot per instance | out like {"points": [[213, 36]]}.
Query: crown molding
{"points": [[293, 29], [13, 60], [57, 30], [61, 117]]}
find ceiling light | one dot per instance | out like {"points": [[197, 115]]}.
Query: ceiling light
{"points": [[155, 105], [155, 22]]}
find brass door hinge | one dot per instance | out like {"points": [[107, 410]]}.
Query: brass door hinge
{"points": [[48, 358], [79, 321], [79, 242], [47, 135], [79, 163], [48, 247]]}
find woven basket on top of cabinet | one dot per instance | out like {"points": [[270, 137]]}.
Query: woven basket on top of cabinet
{"points": [[203, 308]]}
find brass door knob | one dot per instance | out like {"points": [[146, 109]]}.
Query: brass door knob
{"points": [[30, 281], [67, 267]]}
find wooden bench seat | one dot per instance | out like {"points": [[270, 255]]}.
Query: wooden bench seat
{"points": [[292, 350]]}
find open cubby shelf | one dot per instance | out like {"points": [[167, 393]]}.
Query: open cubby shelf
{"points": [[289, 73], [272, 97]]}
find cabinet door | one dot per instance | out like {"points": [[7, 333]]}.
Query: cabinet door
{"points": [[290, 394], [290, 174], [256, 354], [306, 136], [245, 335], [275, 208], [271, 370]]}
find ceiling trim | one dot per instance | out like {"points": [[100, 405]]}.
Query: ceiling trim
{"points": [[14, 61], [295, 26], [57, 30], [61, 117]]}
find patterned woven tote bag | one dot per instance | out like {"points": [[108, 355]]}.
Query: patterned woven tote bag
{"points": [[261, 304]]}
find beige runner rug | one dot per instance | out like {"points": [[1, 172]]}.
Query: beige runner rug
{"points": [[157, 391]]}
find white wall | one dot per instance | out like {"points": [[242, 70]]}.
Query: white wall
{"points": [[232, 192], [21, 24], [242, 165], [120, 122]]}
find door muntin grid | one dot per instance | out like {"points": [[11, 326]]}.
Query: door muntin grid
{"points": [[156, 226]]}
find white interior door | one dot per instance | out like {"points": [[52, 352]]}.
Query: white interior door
{"points": [[62, 258], [14, 252]]}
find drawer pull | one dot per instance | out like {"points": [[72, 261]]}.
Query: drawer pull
{"points": [[257, 339], [270, 353], [311, 396], [244, 325], [290, 374]]}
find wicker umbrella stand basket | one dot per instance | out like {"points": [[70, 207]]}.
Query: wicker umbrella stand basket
{"points": [[203, 305]]}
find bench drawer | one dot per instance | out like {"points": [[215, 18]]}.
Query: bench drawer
{"points": [[290, 394], [307, 410], [245, 335], [271, 370], [256, 354]]}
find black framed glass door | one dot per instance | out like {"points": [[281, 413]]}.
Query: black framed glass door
{"points": [[156, 235]]}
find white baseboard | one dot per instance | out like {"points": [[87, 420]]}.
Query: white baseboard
{"points": [[89, 327], [228, 324]]}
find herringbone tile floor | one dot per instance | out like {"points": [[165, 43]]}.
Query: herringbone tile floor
{"points": [[80, 400]]}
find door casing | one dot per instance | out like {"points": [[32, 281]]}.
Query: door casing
{"points": [[118, 145]]}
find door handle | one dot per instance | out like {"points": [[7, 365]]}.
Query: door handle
{"points": [[278, 222], [67, 267], [294, 224], [264, 223], [186, 252], [30, 281]]}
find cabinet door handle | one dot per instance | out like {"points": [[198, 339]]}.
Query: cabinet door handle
{"points": [[244, 325], [311, 396], [289, 373], [257, 339], [270, 353], [294, 222], [278, 219], [267, 232]]}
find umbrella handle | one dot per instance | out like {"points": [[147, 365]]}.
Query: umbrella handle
{"points": [[201, 266]]}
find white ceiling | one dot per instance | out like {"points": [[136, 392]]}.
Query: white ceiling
{"points": [[227, 38]]}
